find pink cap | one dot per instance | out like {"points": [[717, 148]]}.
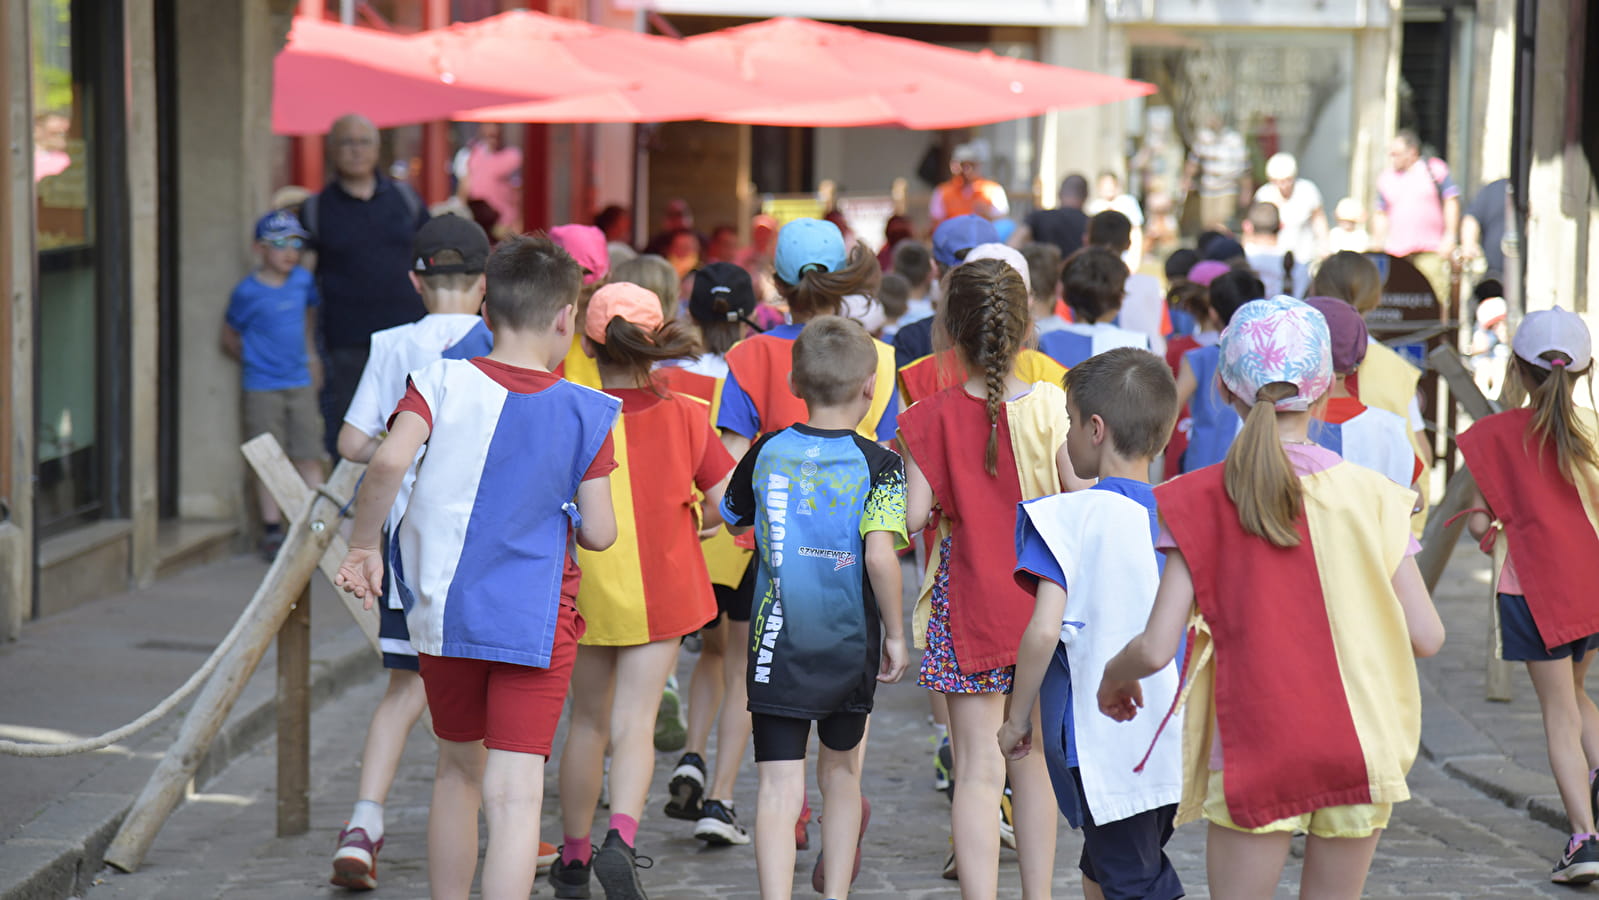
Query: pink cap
{"points": [[622, 298], [1204, 273], [586, 244]]}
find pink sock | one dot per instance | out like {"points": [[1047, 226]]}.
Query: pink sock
{"points": [[626, 828], [577, 850]]}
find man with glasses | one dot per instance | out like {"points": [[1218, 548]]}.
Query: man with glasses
{"points": [[361, 225]]}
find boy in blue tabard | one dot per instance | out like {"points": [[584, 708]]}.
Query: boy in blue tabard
{"points": [[1089, 558]]}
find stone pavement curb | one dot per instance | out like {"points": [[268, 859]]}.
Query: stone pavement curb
{"points": [[59, 854], [1465, 752]]}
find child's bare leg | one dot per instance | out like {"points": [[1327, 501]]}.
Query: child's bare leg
{"points": [[974, 719], [1033, 806], [582, 767], [311, 471], [1335, 868], [777, 808], [397, 712], [640, 677], [513, 791], [1590, 713], [1243, 866], [939, 708], [452, 819], [1562, 726], [706, 687], [733, 728], [838, 772]]}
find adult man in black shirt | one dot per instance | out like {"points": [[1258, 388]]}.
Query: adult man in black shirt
{"points": [[1482, 230], [361, 226], [1063, 226]]}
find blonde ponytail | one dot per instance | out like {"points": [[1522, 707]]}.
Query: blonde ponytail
{"points": [[1554, 416], [1259, 478]]}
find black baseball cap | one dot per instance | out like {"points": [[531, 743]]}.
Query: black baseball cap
{"points": [[449, 232], [724, 285]]}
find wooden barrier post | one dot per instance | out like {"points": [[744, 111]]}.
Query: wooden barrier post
{"points": [[309, 535], [294, 719]]}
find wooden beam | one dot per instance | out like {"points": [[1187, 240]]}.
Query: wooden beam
{"points": [[310, 533], [17, 349], [144, 288], [294, 719]]}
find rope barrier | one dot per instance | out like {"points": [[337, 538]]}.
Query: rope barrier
{"points": [[89, 745]]}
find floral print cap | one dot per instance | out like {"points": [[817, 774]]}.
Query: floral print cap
{"points": [[1281, 339]]}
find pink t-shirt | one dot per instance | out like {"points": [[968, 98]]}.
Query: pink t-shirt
{"points": [[491, 177], [1411, 199]]}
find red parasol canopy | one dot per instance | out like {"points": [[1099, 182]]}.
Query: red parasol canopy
{"points": [[901, 82], [665, 81], [328, 70]]}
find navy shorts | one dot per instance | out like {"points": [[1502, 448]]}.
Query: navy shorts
{"points": [[1127, 858], [1519, 640], [736, 601]]}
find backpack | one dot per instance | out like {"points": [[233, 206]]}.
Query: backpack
{"points": [[308, 209]]}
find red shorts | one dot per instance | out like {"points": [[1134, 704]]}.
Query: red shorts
{"points": [[506, 706]]}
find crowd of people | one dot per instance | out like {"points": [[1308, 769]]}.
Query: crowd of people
{"points": [[583, 459]]}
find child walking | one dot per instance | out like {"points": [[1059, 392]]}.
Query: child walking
{"points": [[1538, 470], [1363, 435], [972, 452], [721, 306], [1285, 545], [644, 593], [814, 272], [517, 468], [1089, 559], [448, 255], [828, 509], [270, 328], [1093, 281], [1214, 423]]}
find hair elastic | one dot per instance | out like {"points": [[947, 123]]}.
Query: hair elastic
{"points": [[1562, 362]]}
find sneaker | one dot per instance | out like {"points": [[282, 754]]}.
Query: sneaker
{"points": [[687, 788], [802, 828], [671, 733], [548, 854], [616, 865], [718, 825], [1593, 792], [1580, 863], [570, 880], [944, 767], [949, 872], [1007, 822], [355, 863], [817, 881]]}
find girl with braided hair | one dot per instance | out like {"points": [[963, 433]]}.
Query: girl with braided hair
{"points": [[972, 452]]}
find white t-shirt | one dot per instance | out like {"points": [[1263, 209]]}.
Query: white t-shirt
{"points": [[1122, 203], [1295, 213], [1143, 309], [1268, 264]]}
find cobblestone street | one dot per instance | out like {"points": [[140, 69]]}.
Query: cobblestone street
{"points": [[1449, 842]]}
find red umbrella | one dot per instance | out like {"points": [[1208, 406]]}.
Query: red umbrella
{"points": [[665, 81], [328, 70], [902, 82]]}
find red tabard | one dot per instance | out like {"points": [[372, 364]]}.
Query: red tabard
{"points": [[947, 434], [1551, 537], [1289, 744], [762, 364], [929, 375]]}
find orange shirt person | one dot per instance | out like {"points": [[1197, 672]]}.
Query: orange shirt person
{"points": [[968, 193]]}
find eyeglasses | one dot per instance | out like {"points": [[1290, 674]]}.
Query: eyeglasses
{"points": [[347, 143], [292, 243]]}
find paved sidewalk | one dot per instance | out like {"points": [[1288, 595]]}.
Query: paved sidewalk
{"points": [[99, 666]]}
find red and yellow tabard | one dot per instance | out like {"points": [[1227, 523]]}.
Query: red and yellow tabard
{"points": [[724, 558], [652, 584], [1300, 663], [757, 399], [937, 371], [1550, 524]]}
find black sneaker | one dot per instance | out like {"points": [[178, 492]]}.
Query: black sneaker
{"points": [[718, 825], [1593, 793], [687, 788], [570, 880], [1580, 863], [616, 865]]}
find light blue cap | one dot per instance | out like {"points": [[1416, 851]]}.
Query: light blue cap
{"points": [[807, 245]]}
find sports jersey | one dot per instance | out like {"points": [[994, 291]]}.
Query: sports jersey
{"points": [[812, 495], [651, 584], [481, 555], [756, 398]]}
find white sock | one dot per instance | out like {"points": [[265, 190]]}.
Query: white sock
{"points": [[368, 817], [940, 730]]}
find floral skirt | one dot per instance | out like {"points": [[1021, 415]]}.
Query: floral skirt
{"points": [[939, 670]]}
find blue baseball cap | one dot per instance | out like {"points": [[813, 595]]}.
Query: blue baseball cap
{"points": [[959, 234], [808, 245], [279, 224]]}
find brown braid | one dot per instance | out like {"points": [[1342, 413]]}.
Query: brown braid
{"points": [[985, 314]]}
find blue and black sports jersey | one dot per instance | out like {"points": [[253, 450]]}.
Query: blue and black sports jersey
{"points": [[812, 495]]}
